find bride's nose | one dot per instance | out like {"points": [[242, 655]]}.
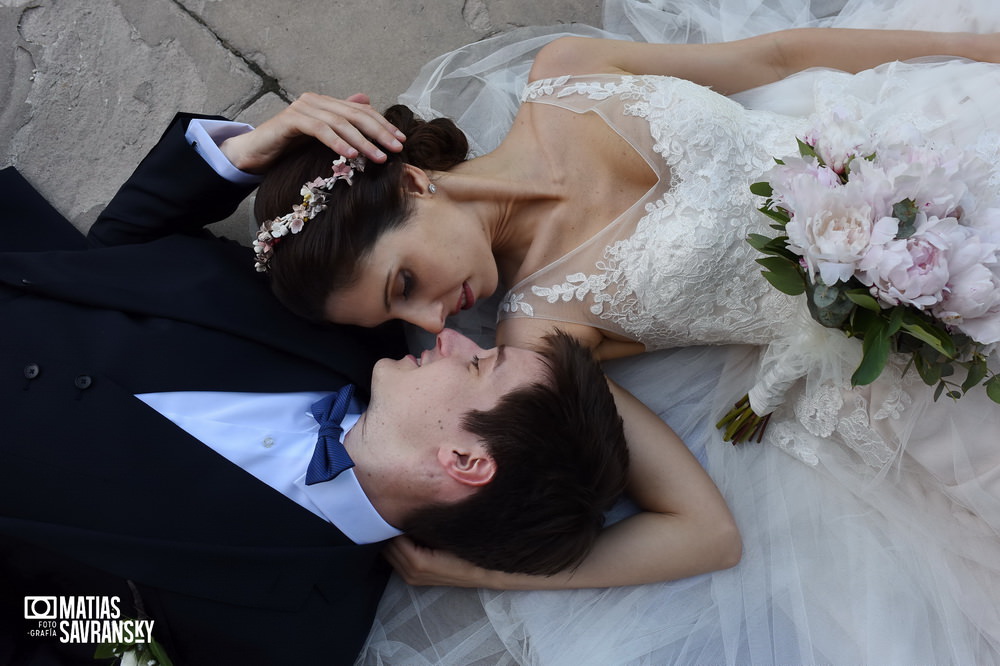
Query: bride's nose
{"points": [[429, 316]]}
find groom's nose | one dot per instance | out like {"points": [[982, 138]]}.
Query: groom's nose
{"points": [[451, 342]]}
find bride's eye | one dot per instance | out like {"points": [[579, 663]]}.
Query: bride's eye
{"points": [[407, 284]]}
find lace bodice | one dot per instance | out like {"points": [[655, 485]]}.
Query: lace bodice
{"points": [[674, 269]]}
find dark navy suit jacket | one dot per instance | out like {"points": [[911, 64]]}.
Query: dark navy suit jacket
{"points": [[99, 494]]}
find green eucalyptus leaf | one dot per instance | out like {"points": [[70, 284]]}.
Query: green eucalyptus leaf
{"points": [[784, 275], [805, 150], [977, 372], [862, 298], [929, 334], [779, 247], [896, 320], [779, 215], [993, 388], [829, 305], [762, 189], [929, 372], [874, 354], [939, 390], [921, 367], [758, 241], [906, 212]]}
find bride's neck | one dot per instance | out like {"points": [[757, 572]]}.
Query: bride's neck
{"points": [[509, 198]]}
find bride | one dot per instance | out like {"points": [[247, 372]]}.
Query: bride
{"points": [[616, 207]]}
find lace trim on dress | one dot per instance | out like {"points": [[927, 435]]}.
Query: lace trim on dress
{"points": [[652, 275]]}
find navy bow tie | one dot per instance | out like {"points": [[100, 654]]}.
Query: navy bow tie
{"points": [[330, 457]]}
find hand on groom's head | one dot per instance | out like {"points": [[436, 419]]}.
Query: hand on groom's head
{"points": [[350, 127]]}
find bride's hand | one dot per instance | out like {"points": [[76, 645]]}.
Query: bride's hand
{"points": [[418, 565], [343, 125]]}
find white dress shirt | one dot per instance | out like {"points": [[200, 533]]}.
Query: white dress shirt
{"points": [[271, 436]]}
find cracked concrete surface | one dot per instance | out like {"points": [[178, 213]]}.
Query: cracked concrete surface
{"points": [[90, 85]]}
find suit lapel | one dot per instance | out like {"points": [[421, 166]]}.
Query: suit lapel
{"points": [[166, 498]]}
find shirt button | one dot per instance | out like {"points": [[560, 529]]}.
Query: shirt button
{"points": [[268, 442], [83, 382], [31, 371]]}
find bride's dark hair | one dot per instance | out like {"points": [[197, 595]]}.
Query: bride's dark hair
{"points": [[325, 255]]}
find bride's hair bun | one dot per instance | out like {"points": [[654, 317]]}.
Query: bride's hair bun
{"points": [[435, 144]]}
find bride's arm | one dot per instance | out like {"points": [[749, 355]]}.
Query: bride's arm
{"points": [[685, 527], [730, 67]]}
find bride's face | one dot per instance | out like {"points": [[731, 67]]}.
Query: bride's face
{"points": [[432, 267]]}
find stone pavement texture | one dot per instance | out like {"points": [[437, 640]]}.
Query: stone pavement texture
{"points": [[90, 84]]}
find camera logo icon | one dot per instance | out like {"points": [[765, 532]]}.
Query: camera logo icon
{"points": [[40, 608]]}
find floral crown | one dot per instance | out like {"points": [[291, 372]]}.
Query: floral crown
{"points": [[313, 202]]}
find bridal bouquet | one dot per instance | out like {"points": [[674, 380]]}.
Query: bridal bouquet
{"points": [[893, 240]]}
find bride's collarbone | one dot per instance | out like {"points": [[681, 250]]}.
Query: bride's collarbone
{"points": [[594, 198], [593, 173]]}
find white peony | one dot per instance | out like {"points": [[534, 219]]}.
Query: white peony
{"points": [[834, 230], [840, 135]]}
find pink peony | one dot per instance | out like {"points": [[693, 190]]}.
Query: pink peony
{"points": [[913, 270], [971, 300]]}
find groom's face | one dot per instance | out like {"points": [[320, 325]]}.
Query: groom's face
{"points": [[418, 404]]}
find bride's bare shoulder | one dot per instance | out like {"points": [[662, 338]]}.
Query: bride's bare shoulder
{"points": [[572, 55]]}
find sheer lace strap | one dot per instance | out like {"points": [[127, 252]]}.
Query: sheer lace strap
{"points": [[580, 286]]}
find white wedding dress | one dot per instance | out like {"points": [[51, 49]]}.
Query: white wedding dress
{"points": [[870, 518]]}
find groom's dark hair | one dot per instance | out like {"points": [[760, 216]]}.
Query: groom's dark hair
{"points": [[561, 464]]}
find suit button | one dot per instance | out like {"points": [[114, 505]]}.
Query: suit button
{"points": [[83, 382], [31, 371]]}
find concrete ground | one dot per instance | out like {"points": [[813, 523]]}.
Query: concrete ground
{"points": [[90, 84]]}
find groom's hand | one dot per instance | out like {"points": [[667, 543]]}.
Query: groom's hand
{"points": [[348, 127]]}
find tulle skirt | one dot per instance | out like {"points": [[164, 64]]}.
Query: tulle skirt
{"points": [[843, 562]]}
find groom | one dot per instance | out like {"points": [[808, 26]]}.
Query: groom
{"points": [[118, 482]]}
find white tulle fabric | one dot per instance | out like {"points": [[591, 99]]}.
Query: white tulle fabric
{"points": [[877, 541]]}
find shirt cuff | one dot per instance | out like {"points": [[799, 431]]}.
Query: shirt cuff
{"points": [[205, 136]]}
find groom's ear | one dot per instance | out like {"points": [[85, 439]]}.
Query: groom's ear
{"points": [[415, 181], [469, 465]]}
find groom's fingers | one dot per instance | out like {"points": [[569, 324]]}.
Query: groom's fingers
{"points": [[346, 126], [343, 125]]}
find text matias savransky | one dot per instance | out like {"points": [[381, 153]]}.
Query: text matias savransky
{"points": [[84, 619]]}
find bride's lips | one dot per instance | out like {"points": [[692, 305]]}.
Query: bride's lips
{"points": [[466, 299]]}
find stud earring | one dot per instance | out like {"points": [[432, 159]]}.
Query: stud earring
{"points": [[432, 188]]}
